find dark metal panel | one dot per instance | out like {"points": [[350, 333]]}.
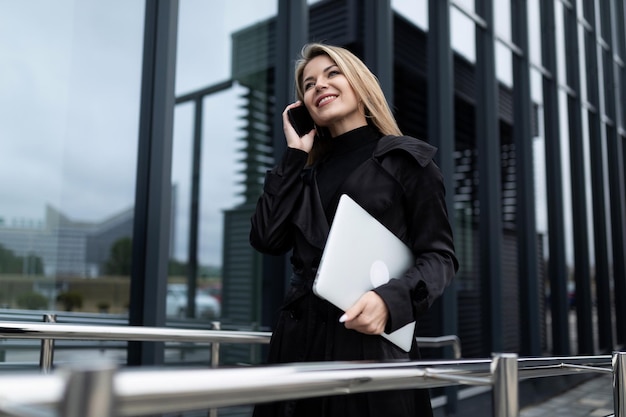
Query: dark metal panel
{"points": [[441, 126], [194, 209], [617, 185], [615, 156], [378, 43], [582, 271], [557, 268], [525, 198], [153, 188], [441, 134], [596, 77], [334, 22], [489, 192]]}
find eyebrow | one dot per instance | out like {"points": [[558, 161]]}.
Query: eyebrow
{"points": [[323, 71]]}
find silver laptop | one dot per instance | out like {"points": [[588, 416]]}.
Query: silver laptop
{"points": [[360, 255]]}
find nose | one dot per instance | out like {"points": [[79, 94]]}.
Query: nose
{"points": [[320, 85]]}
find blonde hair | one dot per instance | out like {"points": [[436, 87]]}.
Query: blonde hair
{"points": [[363, 82]]}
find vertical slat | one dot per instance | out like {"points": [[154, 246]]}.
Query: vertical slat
{"points": [[152, 216], [582, 267], [528, 272], [489, 192], [557, 267]]}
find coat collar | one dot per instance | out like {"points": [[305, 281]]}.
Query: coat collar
{"points": [[418, 149]]}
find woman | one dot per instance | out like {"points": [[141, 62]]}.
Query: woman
{"points": [[357, 149]]}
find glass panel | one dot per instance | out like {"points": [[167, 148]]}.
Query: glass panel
{"points": [[534, 32], [502, 19], [69, 112], [561, 62], [224, 59], [582, 66], [504, 64], [463, 34], [415, 11]]}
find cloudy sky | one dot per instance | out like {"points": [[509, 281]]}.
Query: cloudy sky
{"points": [[69, 108]]}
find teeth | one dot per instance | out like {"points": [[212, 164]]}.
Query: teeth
{"points": [[325, 99]]}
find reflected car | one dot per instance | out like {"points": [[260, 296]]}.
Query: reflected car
{"points": [[207, 306]]}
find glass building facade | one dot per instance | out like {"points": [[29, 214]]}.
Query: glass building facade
{"points": [[135, 136]]}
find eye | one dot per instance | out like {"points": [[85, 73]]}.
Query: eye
{"points": [[308, 86], [332, 73]]}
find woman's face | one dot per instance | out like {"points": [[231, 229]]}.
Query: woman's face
{"points": [[330, 98]]}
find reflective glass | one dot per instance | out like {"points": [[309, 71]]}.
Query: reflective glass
{"points": [[223, 58], [463, 34], [561, 62], [69, 112], [415, 11], [504, 64], [534, 32], [502, 19]]}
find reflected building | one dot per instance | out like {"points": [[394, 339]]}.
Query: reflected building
{"points": [[67, 247]]}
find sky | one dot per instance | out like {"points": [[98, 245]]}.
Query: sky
{"points": [[69, 109]]}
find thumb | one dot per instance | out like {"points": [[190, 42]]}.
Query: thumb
{"points": [[352, 312]]}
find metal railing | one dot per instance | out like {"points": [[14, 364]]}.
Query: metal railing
{"points": [[49, 331], [102, 390]]}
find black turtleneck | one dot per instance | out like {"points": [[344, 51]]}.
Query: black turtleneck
{"points": [[346, 153]]}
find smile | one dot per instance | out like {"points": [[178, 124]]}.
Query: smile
{"points": [[326, 99]]}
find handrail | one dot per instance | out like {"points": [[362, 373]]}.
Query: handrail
{"points": [[49, 331], [328, 378], [137, 391], [17, 330]]}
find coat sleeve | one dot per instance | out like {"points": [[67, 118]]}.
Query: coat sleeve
{"points": [[430, 238], [272, 231]]}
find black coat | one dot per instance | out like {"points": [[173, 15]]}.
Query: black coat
{"points": [[403, 188]]}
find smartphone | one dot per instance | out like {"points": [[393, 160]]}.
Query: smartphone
{"points": [[301, 120]]}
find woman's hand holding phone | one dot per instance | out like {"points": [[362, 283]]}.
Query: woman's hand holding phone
{"points": [[298, 127]]}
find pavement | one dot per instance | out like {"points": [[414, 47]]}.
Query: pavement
{"points": [[593, 397]]}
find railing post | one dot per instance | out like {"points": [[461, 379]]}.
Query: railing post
{"points": [[46, 356], [89, 392], [215, 359], [504, 369], [215, 347], [619, 383]]}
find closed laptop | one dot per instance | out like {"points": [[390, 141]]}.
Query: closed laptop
{"points": [[360, 255]]}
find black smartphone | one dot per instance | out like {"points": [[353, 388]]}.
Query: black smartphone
{"points": [[301, 120]]}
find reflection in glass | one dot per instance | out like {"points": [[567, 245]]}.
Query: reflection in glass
{"points": [[415, 11], [463, 34], [69, 116], [504, 64], [534, 32], [560, 44], [221, 87], [502, 19]]}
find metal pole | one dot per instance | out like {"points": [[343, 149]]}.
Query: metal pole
{"points": [[89, 392], [215, 359], [215, 347], [504, 369], [619, 383], [46, 356]]}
